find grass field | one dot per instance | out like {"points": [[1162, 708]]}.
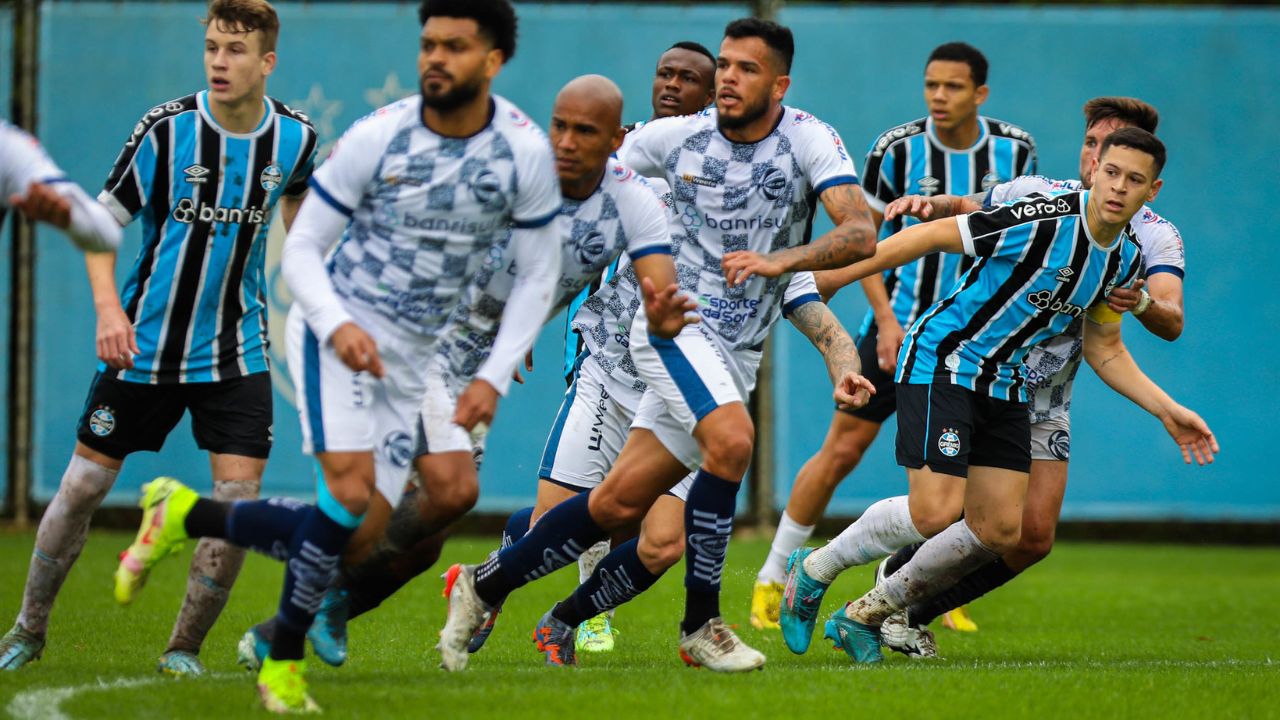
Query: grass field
{"points": [[1096, 631]]}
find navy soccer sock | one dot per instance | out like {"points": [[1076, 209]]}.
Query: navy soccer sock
{"points": [[708, 523], [969, 588], [900, 558], [517, 526], [207, 519], [618, 578], [556, 540], [314, 555], [263, 526]]}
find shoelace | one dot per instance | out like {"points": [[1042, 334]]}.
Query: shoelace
{"points": [[722, 637]]}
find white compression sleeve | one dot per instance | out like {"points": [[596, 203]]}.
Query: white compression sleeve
{"points": [[536, 253], [93, 227], [315, 228]]}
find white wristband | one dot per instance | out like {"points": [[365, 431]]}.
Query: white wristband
{"points": [[1144, 302]]}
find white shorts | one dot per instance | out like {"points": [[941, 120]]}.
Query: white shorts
{"points": [[688, 377], [437, 432], [590, 430], [346, 411], [1051, 438]]}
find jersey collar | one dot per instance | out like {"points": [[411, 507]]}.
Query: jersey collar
{"points": [[202, 102], [933, 136]]}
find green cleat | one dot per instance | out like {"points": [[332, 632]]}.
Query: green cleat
{"points": [[596, 635], [165, 504], [860, 642], [180, 663], [19, 647], [282, 685]]}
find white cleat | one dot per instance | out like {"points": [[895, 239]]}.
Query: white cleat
{"points": [[467, 612], [716, 647], [899, 635]]}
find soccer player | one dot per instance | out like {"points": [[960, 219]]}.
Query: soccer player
{"points": [[964, 433], [416, 195], [745, 176], [34, 185], [1051, 367], [952, 150], [608, 212], [189, 332]]}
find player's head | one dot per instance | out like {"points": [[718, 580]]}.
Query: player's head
{"points": [[955, 84], [1105, 115], [239, 49], [586, 128], [753, 71], [464, 44], [1126, 174], [685, 80]]}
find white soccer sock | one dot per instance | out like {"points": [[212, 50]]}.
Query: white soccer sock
{"points": [[63, 531], [939, 564], [791, 536], [884, 528], [214, 568]]}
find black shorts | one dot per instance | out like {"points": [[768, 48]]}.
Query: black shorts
{"points": [[950, 429], [230, 417], [884, 402]]}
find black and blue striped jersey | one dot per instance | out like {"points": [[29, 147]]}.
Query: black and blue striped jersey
{"points": [[196, 293], [1036, 269], [910, 160]]}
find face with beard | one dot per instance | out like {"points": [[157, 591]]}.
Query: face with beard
{"points": [[749, 86], [455, 63]]}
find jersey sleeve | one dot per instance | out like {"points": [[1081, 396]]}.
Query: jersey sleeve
{"points": [[1162, 248], [645, 222], [801, 291], [823, 156], [129, 184], [538, 188], [304, 169], [879, 185], [342, 178], [1004, 231], [645, 149], [1021, 186], [22, 162]]}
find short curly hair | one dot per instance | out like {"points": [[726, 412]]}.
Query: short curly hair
{"points": [[496, 19]]}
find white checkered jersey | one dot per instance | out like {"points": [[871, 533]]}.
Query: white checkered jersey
{"points": [[623, 216], [426, 209], [1051, 366], [729, 196]]}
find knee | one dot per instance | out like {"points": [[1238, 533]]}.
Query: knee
{"points": [[844, 452], [1034, 545], [932, 517], [611, 510], [728, 453], [660, 552], [455, 500], [353, 495], [1001, 535]]}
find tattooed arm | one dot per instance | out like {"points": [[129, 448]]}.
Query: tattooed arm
{"points": [[824, 330], [852, 239], [1106, 354]]}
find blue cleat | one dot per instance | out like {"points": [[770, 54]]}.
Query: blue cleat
{"points": [[253, 648], [801, 600], [19, 647], [555, 640], [858, 641], [328, 633], [478, 640], [180, 663]]}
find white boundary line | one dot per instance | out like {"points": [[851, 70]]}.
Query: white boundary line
{"points": [[46, 703]]}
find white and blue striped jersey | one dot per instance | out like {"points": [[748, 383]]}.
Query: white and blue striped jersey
{"points": [[910, 160], [1037, 269], [196, 294], [426, 209], [730, 196], [622, 217], [1051, 366]]}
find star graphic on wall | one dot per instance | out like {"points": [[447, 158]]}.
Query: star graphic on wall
{"points": [[390, 91], [322, 111]]}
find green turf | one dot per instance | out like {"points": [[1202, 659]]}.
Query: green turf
{"points": [[1096, 631]]}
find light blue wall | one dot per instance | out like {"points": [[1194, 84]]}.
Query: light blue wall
{"points": [[1212, 72], [1212, 75], [6, 246]]}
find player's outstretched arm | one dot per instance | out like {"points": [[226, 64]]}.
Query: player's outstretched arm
{"points": [[934, 207], [1105, 352], [852, 239], [828, 335], [898, 249], [667, 309]]}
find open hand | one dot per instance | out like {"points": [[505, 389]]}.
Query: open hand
{"points": [[1192, 434]]}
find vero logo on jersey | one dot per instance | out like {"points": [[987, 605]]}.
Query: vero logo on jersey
{"points": [[1040, 208], [189, 211], [1044, 300]]}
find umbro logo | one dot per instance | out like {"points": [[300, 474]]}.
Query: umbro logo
{"points": [[196, 174], [929, 185], [1065, 274]]}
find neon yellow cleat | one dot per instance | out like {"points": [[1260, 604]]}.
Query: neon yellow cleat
{"points": [[282, 685], [596, 634], [766, 599], [959, 620], [165, 504]]}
